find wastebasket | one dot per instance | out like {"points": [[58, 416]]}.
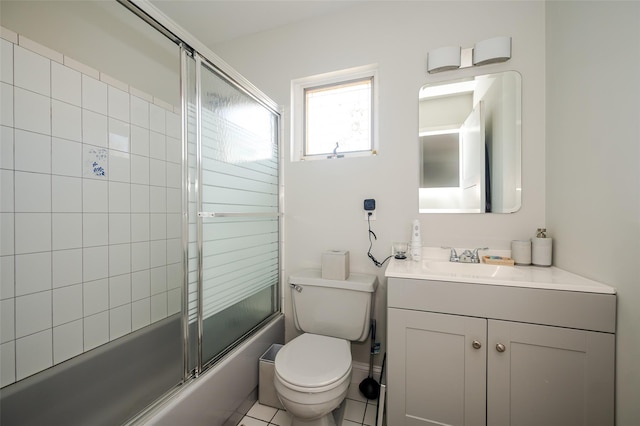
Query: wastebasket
{"points": [[266, 389]]}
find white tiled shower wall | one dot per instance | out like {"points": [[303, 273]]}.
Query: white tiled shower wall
{"points": [[90, 208]]}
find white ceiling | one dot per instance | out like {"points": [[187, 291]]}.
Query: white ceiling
{"points": [[217, 21]]}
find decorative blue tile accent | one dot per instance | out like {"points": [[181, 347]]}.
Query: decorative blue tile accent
{"points": [[98, 170], [96, 162]]}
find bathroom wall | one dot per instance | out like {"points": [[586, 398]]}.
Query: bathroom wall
{"points": [[324, 199], [593, 162], [90, 209]]}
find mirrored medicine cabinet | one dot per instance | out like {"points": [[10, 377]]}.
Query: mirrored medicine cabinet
{"points": [[470, 145]]}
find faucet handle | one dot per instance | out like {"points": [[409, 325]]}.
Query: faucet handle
{"points": [[474, 256], [453, 256]]}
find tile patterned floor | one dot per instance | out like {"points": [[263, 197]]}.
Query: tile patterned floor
{"points": [[358, 412]]}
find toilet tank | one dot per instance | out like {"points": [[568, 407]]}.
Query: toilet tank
{"points": [[333, 308]]}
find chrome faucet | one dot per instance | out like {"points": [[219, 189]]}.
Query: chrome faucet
{"points": [[467, 256]]}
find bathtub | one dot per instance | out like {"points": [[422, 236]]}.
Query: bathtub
{"points": [[222, 395]]}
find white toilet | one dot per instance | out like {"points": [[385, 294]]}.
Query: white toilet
{"points": [[313, 371]]}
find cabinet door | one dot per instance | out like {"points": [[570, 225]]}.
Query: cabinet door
{"points": [[435, 375], [549, 376]]}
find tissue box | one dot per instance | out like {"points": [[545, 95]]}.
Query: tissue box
{"points": [[335, 265]]}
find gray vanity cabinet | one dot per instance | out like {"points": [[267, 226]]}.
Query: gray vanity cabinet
{"points": [[542, 375], [434, 375], [470, 354]]}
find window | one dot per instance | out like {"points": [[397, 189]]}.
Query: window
{"points": [[334, 115]]}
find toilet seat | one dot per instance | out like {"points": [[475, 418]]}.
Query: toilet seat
{"points": [[313, 363]]}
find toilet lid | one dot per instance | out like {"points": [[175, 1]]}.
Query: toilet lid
{"points": [[312, 360]]}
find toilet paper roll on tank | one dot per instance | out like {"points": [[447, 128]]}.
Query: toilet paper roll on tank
{"points": [[335, 265]]}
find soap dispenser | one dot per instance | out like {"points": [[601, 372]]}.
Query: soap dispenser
{"points": [[416, 241], [541, 248]]}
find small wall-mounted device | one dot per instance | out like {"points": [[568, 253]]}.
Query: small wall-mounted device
{"points": [[369, 204], [369, 209]]}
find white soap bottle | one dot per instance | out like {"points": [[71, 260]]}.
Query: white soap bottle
{"points": [[416, 241]]}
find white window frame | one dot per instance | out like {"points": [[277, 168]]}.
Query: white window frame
{"points": [[298, 87]]}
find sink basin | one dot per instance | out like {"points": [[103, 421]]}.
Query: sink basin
{"points": [[472, 270]]}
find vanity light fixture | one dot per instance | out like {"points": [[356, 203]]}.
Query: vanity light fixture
{"points": [[443, 59], [490, 51]]}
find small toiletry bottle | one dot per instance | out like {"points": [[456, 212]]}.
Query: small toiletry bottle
{"points": [[416, 241]]}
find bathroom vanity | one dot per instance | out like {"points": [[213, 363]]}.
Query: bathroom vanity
{"points": [[476, 344]]}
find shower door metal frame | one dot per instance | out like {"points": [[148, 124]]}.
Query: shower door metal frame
{"points": [[199, 227], [201, 54], [185, 55], [201, 61]]}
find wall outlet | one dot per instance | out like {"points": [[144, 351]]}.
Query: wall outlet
{"points": [[370, 215]]}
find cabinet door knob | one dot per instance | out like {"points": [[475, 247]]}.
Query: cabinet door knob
{"points": [[500, 347], [476, 344]]}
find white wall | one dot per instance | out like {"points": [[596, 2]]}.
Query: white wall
{"points": [[323, 199], [93, 33], [593, 162]]}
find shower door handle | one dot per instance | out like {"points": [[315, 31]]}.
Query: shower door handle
{"points": [[214, 214]]}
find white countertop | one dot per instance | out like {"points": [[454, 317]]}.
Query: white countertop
{"points": [[551, 278]]}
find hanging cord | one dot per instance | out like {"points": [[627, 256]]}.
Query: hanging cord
{"points": [[373, 259]]}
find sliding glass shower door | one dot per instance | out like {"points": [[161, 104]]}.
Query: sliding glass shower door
{"points": [[234, 198]]}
